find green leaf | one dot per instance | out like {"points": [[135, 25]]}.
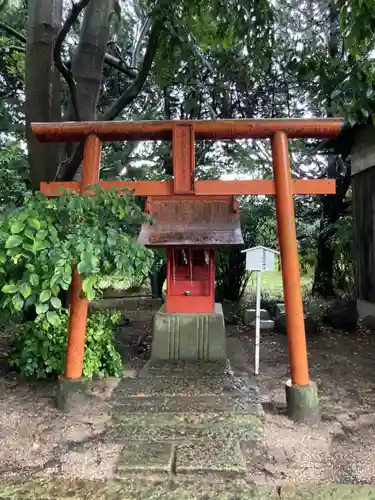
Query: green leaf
{"points": [[87, 287], [40, 245], [13, 241], [25, 290], [54, 234], [67, 277], [41, 308], [34, 280], [45, 295], [10, 289], [17, 226], [41, 235], [111, 240], [83, 267], [29, 234], [34, 223], [17, 302], [56, 302], [335, 93], [53, 319]]}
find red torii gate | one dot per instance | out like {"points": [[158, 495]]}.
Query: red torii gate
{"points": [[183, 135]]}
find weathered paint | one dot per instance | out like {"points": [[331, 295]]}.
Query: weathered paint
{"points": [[202, 188], [289, 260], [188, 221], [204, 129], [79, 306]]}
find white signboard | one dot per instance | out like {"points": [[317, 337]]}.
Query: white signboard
{"points": [[259, 259]]}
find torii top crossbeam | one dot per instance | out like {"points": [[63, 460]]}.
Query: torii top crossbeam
{"points": [[203, 129], [183, 134]]}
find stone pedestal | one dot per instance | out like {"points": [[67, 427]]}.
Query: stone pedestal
{"points": [[250, 316], [302, 402], [189, 337], [71, 395]]}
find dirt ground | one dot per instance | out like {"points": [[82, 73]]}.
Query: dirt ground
{"points": [[340, 448], [36, 440]]}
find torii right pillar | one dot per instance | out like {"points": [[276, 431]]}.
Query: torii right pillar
{"points": [[301, 392]]}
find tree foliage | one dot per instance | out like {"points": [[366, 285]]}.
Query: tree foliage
{"points": [[46, 239]]}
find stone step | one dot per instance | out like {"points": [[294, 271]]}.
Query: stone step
{"points": [[181, 458], [265, 325], [176, 427], [250, 315], [217, 404], [173, 385]]}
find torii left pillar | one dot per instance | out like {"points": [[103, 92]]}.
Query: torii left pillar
{"points": [[72, 386]]}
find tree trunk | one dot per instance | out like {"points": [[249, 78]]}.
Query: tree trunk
{"points": [[88, 60], [332, 209], [323, 278], [157, 279], [231, 275], [42, 85]]}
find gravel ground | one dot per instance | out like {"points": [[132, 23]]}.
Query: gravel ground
{"points": [[37, 441]]}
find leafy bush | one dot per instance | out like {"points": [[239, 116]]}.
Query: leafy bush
{"points": [[13, 172], [39, 349], [44, 240]]}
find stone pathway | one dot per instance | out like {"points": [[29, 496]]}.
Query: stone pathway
{"points": [[135, 488], [182, 419]]}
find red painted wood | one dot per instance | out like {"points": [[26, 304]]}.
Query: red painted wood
{"points": [[204, 129], [189, 305], [183, 149], [197, 280], [214, 189], [79, 306]]}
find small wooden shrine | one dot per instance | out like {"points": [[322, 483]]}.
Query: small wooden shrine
{"points": [[191, 230]]}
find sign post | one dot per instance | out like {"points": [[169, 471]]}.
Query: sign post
{"points": [[259, 259]]}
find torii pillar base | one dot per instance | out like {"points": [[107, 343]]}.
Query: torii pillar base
{"points": [[189, 337], [302, 402]]}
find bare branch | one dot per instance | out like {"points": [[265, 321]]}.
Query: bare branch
{"points": [[12, 32], [117, 63], [133, 90], [18, 49], [66, 73], [135, 56]]}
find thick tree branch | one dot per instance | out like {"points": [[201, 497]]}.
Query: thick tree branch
{"points": [[68, 169], [12, 32], [116, 63], [66, 73]]}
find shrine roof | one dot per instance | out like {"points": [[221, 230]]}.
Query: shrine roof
{"points": [[203, 223]]}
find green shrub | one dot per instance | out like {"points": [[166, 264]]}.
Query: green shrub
{"points": [[39, 349], [45, 239]]}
